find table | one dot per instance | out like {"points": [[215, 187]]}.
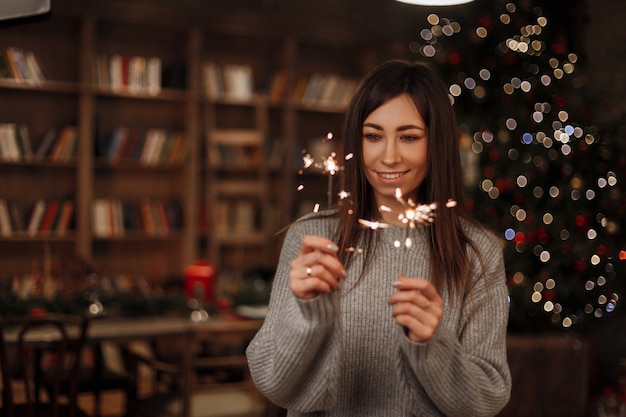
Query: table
{"points": [[128, 329], [125, 330]]}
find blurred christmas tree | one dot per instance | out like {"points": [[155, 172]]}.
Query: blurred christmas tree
{"points": [[537, 170]]}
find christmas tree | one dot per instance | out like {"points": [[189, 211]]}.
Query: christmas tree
{"points": [[538, 170]]}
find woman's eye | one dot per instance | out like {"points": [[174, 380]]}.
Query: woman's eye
{"points": [[408, 138], [370, 136]]}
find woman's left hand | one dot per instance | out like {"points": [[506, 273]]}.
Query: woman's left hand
{"points": [[417, 306]]}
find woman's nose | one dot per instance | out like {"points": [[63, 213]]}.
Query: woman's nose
{"points": [[390, 155]]}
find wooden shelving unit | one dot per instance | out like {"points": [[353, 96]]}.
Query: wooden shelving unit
{"points": [[269, 128]]}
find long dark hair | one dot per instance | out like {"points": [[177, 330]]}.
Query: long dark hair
{"points": [[448, 242]]}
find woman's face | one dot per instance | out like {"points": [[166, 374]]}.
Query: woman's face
{"points": [[395, 151]]}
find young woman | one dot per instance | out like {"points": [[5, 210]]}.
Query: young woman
{"points": [[361, 326]]}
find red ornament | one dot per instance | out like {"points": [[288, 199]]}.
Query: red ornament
{"points": [[558, 48], [580, 266], [454, 58], [509, 58], [560, 102], [494, 155], [580, 221], [485, 21]]}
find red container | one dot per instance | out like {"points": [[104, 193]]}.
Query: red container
{"points": [[199, 280]]}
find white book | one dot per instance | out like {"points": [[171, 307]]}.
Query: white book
{"points": [[36, 216], [213, 86], [101, 218], [137, 74], [116, 77], [153, 69]]}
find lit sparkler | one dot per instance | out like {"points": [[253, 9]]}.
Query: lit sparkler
{"points": [[329, 165], [411, 217]]}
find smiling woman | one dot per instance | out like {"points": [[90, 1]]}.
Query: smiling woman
{"points": [[356, 326], [395, 153]]}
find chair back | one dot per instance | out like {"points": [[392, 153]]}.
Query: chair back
{"points": [[210, 376], [30, 344]]}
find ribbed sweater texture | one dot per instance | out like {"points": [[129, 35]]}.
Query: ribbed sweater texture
{"points": [[342, 354]]}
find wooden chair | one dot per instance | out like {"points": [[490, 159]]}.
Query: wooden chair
{"points": [[29, 345], [95, 376], [211, 379]]}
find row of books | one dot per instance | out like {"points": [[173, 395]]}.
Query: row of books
{"points": [[155, 217], [244, 148], [132, 74], [58, 144], [20, 65], [153, 147], [223, 155], [54, 216], [231, 81], [238, 216], [321, 89]]}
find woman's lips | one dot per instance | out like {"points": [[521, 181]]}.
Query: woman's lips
{"points": [[390, 176]]}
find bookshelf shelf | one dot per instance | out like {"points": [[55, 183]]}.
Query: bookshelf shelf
{"points": [[234, 185]]}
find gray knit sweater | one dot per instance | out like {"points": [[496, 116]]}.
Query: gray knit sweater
{"points": [[342, 354]]}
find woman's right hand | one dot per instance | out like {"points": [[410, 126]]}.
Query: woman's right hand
{"points": [[316, 269]]}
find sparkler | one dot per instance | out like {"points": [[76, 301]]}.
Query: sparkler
{"points": [[411, 217], [328, 165]]}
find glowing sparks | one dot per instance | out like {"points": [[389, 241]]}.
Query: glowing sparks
{"points": [[412, 216], [330, 164], [308, 160], [372, 224], [415, 214]]}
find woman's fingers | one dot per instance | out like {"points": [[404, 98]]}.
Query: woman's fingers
{"points": [[316, 269], [417, 306]]}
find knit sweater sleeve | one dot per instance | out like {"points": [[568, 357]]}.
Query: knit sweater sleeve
{"points": [[294, 359], [464, 372]]}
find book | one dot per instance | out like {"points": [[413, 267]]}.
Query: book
{"points": [[213, 81], [36, 216], [101, 219], [9, 150], [16, 67], [23, 136], [152, 146], [137, 75], [49, 216], [116, 80], [153, 69], [131, 144], [238, 82], [46, 144], [117, 143], [5, 69], [245, 217], [65, 143], [6, 228], [65, 217], [34, 68], [16, 216]]}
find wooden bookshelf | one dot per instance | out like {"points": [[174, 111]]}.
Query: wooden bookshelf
{"points": [[234, 183]]}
